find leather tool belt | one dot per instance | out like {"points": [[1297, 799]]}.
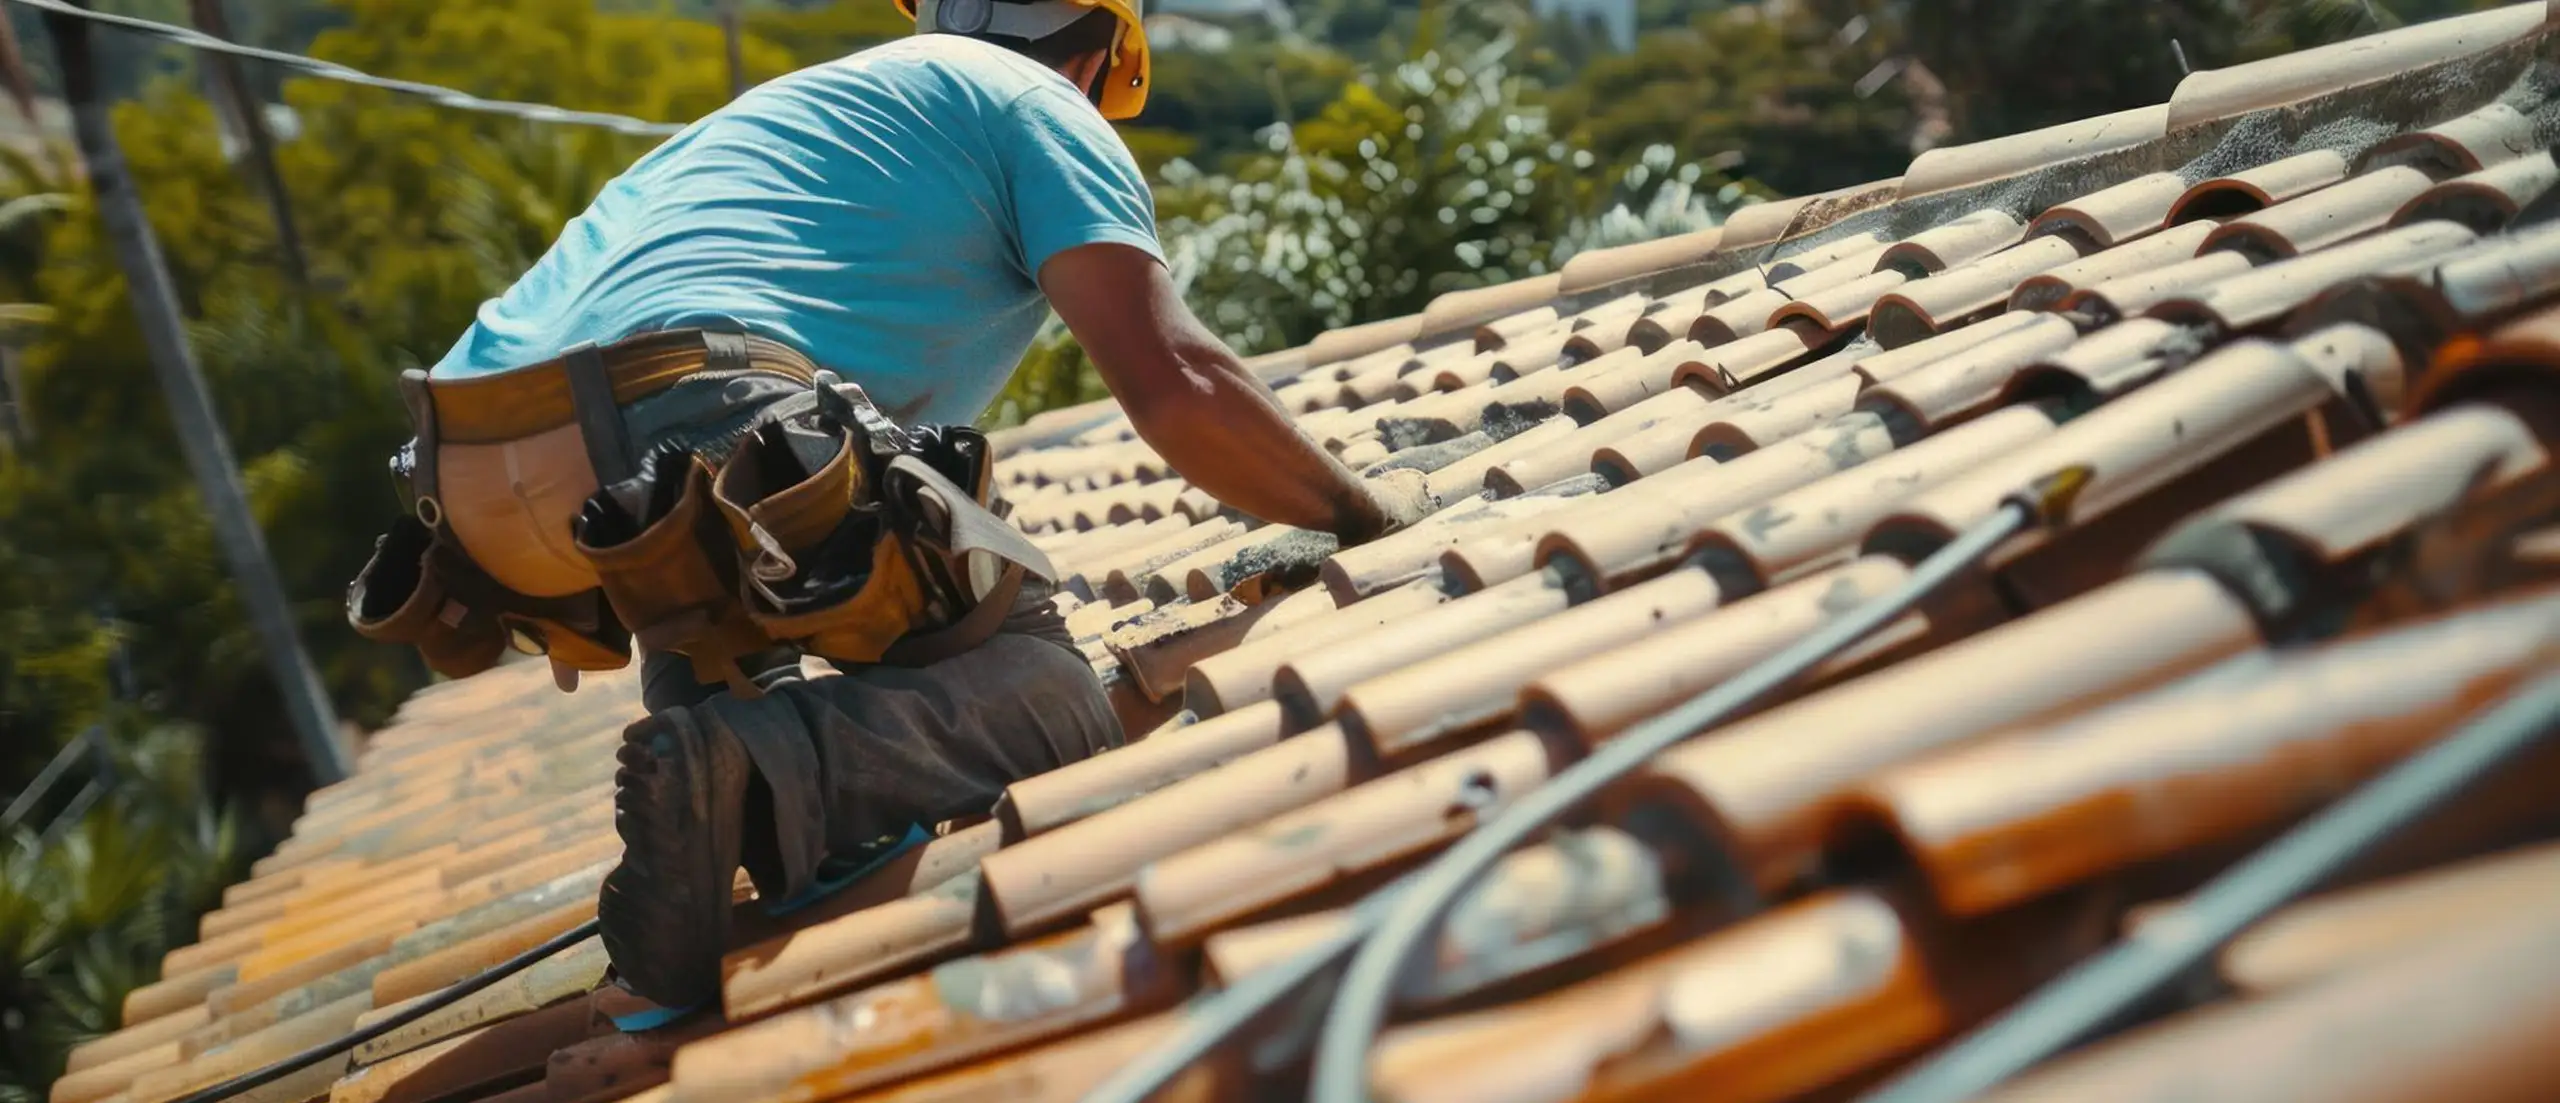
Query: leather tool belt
{"points": [[820, 524]]}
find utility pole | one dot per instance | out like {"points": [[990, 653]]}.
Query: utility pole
{"points": [[231, 94], [21, 86], [729, 36], [14, 76], [200, 436], [15, 433]]}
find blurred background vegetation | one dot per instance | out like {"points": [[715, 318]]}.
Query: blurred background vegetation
{"points": [[1342, 162]]}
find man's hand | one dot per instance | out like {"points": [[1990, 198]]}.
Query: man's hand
{"points": [[1196, 405]]}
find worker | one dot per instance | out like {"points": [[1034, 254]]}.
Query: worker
{"points": [[725, 418]]}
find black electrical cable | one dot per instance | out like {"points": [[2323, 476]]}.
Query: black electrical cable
{"points": [[2084, 1000], [427, 1005], [1360, 1005]]}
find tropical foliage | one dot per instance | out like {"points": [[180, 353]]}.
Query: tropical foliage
{"points": [[87, 910]]}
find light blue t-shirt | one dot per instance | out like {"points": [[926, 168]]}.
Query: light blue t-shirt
{"points": [[885, 214]]}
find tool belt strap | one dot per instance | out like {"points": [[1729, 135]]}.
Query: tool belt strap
{"points": [[515, 404]]}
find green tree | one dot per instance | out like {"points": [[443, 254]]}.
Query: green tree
{"points": [[2015, 65], [1438, 174], [813, 34], [1223, 102], [1780, 95]]}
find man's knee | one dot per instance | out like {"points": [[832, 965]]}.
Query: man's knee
{"points": [[1051, 690]]}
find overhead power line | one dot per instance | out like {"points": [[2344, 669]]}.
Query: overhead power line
{"points": [[327, 70]]}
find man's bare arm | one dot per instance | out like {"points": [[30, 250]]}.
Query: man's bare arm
{"points": [[1193, 401]]}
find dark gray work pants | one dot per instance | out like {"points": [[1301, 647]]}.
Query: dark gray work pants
{"points": [[847, 761]]}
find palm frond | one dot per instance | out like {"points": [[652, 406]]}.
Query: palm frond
{"points": [[25, 208]]}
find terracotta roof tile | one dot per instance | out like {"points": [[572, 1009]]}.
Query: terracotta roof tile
{"points": [[487, 1058], [1682, 410], [1975, 290], [1671, 507], [1475, 684], [1603, 388], [1353, 341], [1039, 805], [1601, 268], [1762, 1012], [1160, 649], [1833, 310], [2336, 933], [2050, 806], [1775, 783], [2301, 328], [2492, 135], [2213, 95], [2259, 187], [2045, 290], [1464, 477], [1500, 332], [1312, 683], [1606, 690], [2323, 217], [1461, 311], [1062, 1072], [1381, 565], [1535, 352], [1759, 225], [1134, 572], [2114, 215], [959, 1011], [1339, 839], [930, 921], [1950, 167], [2130, 293], [1776, 417], [2491, 994], [2486, 200], [2248, 300], [1048, 879], [1822, 522], [2128, 446]]}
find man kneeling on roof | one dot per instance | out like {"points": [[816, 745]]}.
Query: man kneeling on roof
{"points": [[725, 418]]}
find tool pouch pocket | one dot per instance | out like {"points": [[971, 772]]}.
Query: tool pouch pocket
{"points": [[421, 591], [825, 567], [403, 596], [665, 560], [578, 632]]}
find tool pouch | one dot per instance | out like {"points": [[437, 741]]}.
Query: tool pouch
{"points": [[422, 591], [822, 567], [662, 553], [401, 597], [475, 617], [847, 531]]}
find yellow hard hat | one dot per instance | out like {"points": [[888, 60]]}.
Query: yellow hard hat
{"points": [[1125, 91]]}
